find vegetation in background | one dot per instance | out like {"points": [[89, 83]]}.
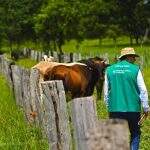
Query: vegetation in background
{"points": [[51, 23], [15, 133]]}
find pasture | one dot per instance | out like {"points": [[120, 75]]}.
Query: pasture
{"points": [[86, 47]]}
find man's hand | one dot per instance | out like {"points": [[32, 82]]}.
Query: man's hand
{"points": [[146, 114]]}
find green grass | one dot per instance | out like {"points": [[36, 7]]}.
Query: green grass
{"points": [[15, 133], [146, 125], [26, 62]]}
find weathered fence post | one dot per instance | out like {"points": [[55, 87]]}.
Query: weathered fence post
{"points": [[26, 94], [35, 94], [76, 57], [84, 118], [17, 84], [66, 57], [32, 54], [1, 64], [108, 135], [6, 69], [55, 55], [55, 117]]}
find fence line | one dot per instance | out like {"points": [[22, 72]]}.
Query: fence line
{"points": [[47, 108], [73, 57]]}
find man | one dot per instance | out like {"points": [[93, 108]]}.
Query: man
{"points": [[125, 92]]}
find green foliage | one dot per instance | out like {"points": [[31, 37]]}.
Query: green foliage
{"points": [[58, 22], [53, 22], [133, 18], [16, 19], [15, 133]]}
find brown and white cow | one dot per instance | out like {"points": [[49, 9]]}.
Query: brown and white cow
{"points": [[79, 78]]}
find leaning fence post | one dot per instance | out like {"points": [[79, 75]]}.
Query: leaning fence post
{"points": [[26, 94], [35, 94], [84, 118], [6, 64], [17, 84], [108, 135], [55, 117]]}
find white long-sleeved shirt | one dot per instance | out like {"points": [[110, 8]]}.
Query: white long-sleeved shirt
{"points": [[142, 88]]}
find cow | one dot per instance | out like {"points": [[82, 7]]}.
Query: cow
{"points": [[46, 66], [79, 79]]}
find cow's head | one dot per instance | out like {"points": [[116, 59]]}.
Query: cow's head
{"points": [[99, 64]]}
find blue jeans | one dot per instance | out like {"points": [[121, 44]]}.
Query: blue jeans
{"points": [[132, 118]]}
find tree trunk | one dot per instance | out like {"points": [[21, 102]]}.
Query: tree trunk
{"points": [[60, 48], [137, 40], [55, 46]]}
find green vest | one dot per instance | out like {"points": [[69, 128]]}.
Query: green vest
{"points": [[123, 90]]}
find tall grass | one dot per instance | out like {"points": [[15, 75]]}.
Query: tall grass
{"points": [[15, 133]]}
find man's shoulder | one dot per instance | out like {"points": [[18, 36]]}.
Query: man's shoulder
{"points": [[111, 66]]}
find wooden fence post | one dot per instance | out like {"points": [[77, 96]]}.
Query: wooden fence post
{"points": [[76, 57], [84, 118], [55, 55], [6, 69], [1, 63], [66, 57], [17, 84], [26, 94], [35, 94], [108, 135], [55, 117]]}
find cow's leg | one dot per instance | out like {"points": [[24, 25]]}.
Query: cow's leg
{"points": [[99, 89]]}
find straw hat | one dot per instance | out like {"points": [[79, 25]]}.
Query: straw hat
{"points": [[127, 51]]}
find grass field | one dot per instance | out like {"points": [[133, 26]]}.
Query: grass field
{"points": [[15, 133]]}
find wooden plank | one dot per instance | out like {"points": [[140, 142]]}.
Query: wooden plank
{"points": [[39, 56], [1, 64], [55, 55], [108, 135], [35, 55], [76, 57], [56, 120], [84, 118], [35, 94], [7, 71], [17, 84], [32, 56], [66, 57], [26, 94]]}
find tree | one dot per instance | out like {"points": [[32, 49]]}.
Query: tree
{"points": [[95, 19], [133, 18], [58, 22], [16, 19], [113, 32]]}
